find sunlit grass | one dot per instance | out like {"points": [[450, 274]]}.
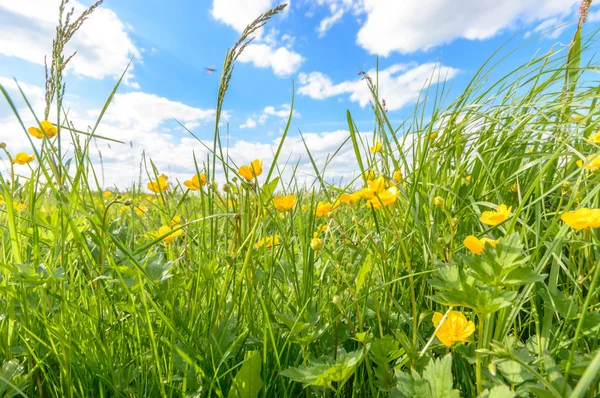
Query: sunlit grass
{"points": [[456, 237]]}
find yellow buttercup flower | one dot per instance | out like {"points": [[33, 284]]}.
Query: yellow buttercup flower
{"points": [[397, 176], [349, 199], [284, 203], [592, 162], [166, 230], [495, 217], [45, 127], [19, 206], [197, 182], [582, 218], [366, 193], [176, 220], [107, 194], [23, 158], [316, 244], [594, 138], [465, 180], [140, 210], [251, 171], [160, 185], [324, 209], [369, 175], [377, 185], [455, 327], [376, 148], [476, 245], [575, 119], [268, 241], [384, 198], [323, 227], [433, 135]]}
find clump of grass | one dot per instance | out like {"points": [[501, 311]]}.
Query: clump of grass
{"points": [[383, 287]]}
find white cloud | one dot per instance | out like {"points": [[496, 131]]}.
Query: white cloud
{"points": [[328, 22], [250, 124], [399, 84], [282, 61], [337, 9], [103, 45], [409, 26], [239, 13]]}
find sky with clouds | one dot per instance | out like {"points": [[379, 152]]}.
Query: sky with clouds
{"points": [[313, 50]]}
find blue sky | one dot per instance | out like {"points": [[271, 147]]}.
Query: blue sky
{"points": [[321, 45]]}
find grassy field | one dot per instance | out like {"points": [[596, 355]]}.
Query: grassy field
{"points": [[462, 261]]}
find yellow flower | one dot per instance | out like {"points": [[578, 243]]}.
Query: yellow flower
{"points": [[377, 185], [46, 127], [495, 217], [284, 203], [19, 206], [575, 119], [23, 158], [251, 171], [376, 148], [167, 230], [385, 198], [476, 245], [433, 135], [455, 328], [465, 180], [176, 220], [316, 244], [268, 241], [583, 218], [304, 207], [594, 138], [366, 193], [369, 175], [160, 185], [349, 199], [107, 194], [197, 182], [397, 176], [323, 228], [324, 209], [140, 210], [592, 162]]}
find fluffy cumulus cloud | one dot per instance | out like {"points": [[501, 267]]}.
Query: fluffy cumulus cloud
{"points": [[281, 60], [144, 123], [409, 26], [249, 124], [266, 51], [103, 44], [400, 84]]}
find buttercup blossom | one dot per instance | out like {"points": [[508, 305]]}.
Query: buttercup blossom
{"points": [[495, 217], [594, 138], [251, 171], [583, 218], [349, 199], [268, 241], [19, 206], [324, 208], [384, 198], [284, 203], [575, 119], [176, 220], [197, 182], [23, 158], [107, 194], [397, 176], [376, 148], [592, 162], [160, 185], [476, 245], [165, 230], [140, 210], [46, 127], [455, 328], [316, 243]]}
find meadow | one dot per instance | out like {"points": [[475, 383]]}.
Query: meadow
{"points": [[463, 260]]}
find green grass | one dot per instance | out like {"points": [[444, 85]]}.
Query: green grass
{"points": [[94, 303]]}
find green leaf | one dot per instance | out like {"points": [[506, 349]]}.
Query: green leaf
{"points": [[501, 391], [363, 272], [268, 189], [247, 382], [439, 375]]}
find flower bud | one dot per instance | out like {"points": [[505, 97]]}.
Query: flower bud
{"points": [[438, 201], [128, 202], [2, 145], [226, 188], [316, 244], [336, 300]]}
